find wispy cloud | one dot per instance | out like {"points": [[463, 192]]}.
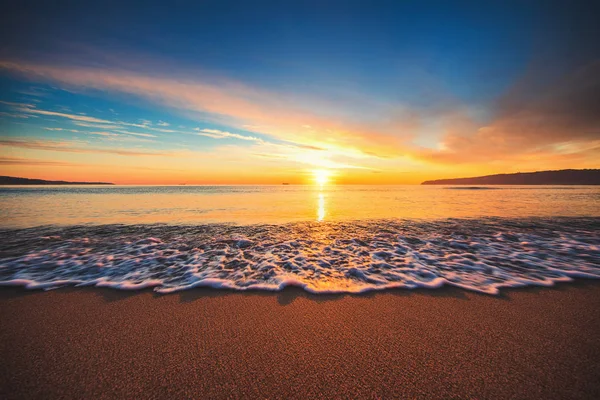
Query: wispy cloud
{"points": [[301, 154], [275, 114], [148, 135], [35, 162], [13, 115], [13, 104], [217, 134], [98, 126], [74, 117], [85, 121], [103, 133], [34, 92], [73, 147], [61, 129]]}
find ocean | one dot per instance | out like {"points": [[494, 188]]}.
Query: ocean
{"points": [[330, 239]]}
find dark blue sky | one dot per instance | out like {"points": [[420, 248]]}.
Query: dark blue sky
{"points": [[473, 48]]}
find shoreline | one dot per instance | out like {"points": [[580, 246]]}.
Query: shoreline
{"points": [[294, 290], [532, 342]]}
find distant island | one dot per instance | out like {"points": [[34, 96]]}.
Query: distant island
{"points": [[11, 180], [562, 177]]}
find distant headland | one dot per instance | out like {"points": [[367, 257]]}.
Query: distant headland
{"points": [[11, 180], [561, 177]]}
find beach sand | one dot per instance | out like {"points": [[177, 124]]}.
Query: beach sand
{"points": [[445, 343]]}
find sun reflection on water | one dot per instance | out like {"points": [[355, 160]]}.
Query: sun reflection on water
{"points": [[321, 207]]}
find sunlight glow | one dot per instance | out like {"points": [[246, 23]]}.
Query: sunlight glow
{"points": [[321, 176]]}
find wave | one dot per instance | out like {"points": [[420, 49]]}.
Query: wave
{"points": [[482, 255]]}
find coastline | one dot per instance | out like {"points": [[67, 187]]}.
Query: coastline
{"points": [[533, 342]]}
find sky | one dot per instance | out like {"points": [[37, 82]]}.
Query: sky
{"points": [[219, 92]]}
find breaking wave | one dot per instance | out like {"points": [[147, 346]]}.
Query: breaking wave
{"points": [[333, 257]]}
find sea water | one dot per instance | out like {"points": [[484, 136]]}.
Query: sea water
{"points": [[327, 239]]}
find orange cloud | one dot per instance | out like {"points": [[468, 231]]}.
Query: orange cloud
{"points": [[19, 161], [542, 127], [72, 147], [558, 124], [270, 113]]}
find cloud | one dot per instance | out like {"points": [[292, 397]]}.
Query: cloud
{"points": [[542, 124], [307, 147], [275, 114], [62, 129], [102, 133], [148, 135], [34, 92], [74, 117], [35, 162], [303, 154], [98, 126], [12, 104], [217, 134], [11, 115], [145, 125], [552, 122], [73, 147], [85, 121]]}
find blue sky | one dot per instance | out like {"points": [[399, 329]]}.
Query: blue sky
{"points": [[369, 90]]}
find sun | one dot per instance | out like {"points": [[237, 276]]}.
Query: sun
{"points": [[321, 176]]}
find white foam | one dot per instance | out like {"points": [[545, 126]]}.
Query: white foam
{"points": [[346, 257]]}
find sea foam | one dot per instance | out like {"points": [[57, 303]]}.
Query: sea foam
{"points": [[333, 257]]}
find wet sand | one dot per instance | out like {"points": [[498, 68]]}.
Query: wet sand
{"points": [[445, 343]]}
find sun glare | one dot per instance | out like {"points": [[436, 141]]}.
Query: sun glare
{"points": [[321, 208], [321, 176]]}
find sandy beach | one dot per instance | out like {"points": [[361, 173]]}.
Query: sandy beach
{"points": [[448, 343]]}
